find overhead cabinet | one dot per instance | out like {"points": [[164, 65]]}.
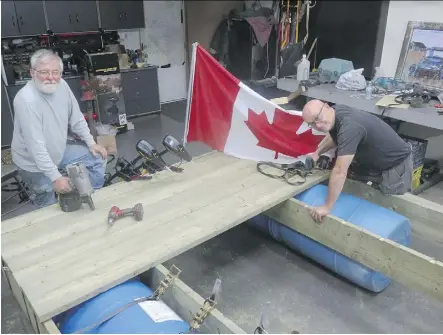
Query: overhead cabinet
{"points": [[121, 14], [23, 18], [72, 16], [28, 17]]}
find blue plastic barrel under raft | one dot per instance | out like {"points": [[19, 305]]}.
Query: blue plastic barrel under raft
{"points": [[151, 317], [362, 213]]}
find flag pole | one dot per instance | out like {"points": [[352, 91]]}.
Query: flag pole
{"points": [[191, 85]]}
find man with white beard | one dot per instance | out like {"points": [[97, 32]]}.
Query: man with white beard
{"points": [[45, 109]]}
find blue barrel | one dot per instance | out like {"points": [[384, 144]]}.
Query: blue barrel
{"points": [[150, 317], [362, 213]]}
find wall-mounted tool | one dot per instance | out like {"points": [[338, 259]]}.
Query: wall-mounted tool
{"points": [[116, 213], [207, 307], [81, 189]]}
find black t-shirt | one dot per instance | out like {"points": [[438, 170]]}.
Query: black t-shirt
{"points": [[377, 147]]}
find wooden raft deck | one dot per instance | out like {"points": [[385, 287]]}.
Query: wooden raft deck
{"points": [[59, 260]]}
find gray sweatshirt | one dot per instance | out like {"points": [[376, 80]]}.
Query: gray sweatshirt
{"points": [[41, 128]]}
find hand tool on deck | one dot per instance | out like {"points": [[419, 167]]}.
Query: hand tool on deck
{"points": [[81, 189], [116, 213], [300, 169], [153, 160], [149, 160]]}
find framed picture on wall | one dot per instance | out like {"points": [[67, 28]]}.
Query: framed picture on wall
{"points": [[421, 57]]}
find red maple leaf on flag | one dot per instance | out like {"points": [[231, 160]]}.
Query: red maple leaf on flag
{"points": [[281, 136]]}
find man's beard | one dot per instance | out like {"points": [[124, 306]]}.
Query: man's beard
{"points": [[48, 88]]}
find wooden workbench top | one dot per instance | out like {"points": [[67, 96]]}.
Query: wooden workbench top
{"points": [[62, 259]]}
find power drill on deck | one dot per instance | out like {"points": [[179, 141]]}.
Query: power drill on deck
{"points": [[81, 189], [115, 213]]}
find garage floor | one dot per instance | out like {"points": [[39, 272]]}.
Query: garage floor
{"points": [[254, 270]]}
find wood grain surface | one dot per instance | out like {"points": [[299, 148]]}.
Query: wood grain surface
{"points": [[60, 260]]}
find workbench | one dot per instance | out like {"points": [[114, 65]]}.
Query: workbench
{"points": [[54, 261], [59, 260], [426, 116]]}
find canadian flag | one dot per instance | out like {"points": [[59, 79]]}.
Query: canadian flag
{"points": [[230, 117]]}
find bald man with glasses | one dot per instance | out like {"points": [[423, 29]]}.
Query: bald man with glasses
{"points": [[377, 152]]}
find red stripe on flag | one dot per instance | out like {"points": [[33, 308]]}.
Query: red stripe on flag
{"points": [[213, 95]]}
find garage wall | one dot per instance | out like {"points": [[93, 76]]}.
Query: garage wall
{"points": [[203, 18], [400, 12]]}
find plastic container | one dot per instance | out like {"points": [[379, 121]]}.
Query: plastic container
{"points": [[150, 317], [369, 91], [362, 213], [303, 69], [419, 147]]}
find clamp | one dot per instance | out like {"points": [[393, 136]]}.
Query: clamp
{"points": [[207, 307]]}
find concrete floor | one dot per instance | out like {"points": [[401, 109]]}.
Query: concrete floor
{"points": [[255, 269]]}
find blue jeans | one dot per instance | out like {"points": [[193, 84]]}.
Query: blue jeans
{"points": [[42, 192]]}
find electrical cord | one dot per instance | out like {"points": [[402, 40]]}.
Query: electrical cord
{"points": [[288, 172]]}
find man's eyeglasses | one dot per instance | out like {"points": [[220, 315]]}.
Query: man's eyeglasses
{"points": [[317, 117], [46, 73]]}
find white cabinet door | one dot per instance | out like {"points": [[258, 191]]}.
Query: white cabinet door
{"points": [[164, 38]]}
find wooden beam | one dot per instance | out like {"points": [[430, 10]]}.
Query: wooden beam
{"points": [[24, 302], [426, 216], [186, 302], [49, 327], [400, 263]]}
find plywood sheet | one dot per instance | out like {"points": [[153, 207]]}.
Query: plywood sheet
{"points": [[62, 259]]}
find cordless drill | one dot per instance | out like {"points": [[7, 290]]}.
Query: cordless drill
{"points": [[116, 213]]}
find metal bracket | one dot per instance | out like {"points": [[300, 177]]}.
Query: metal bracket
{"points": [[202, 314], [169, 279], [260, 330], [206, 308]]}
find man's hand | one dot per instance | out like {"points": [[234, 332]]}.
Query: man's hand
{"points": [[315, 156], [318, 213], [96, 149], [61, 185]]}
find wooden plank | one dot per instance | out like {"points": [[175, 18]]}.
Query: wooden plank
{"points": [[186, 302], [62, 259], [51, 236], [426, 216], [20, 297], [400, 263], [199, 166], [49, 327], [15, 289]]}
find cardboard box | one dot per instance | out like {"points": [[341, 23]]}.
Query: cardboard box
{"points": [[108, 142]]}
